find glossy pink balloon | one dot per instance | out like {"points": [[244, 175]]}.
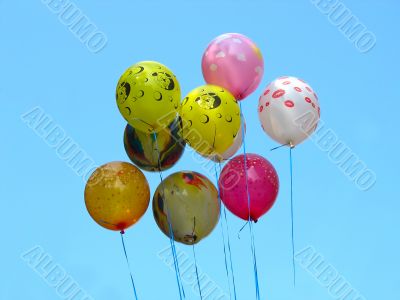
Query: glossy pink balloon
{"points": [[234, 62], [263, 186]]}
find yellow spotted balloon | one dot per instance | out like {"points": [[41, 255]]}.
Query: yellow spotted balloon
{"points": [[148, 96], [117, 195], [188, 201], [211, 120]]}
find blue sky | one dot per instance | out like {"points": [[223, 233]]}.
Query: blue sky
{"points": [[43, 64]]}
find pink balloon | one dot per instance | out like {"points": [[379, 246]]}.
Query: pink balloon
{"points": [[234, 62], [263, 186]]}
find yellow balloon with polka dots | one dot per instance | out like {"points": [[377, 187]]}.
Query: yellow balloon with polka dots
{"points": [[117, 195], [148, 96], [211, 120]]}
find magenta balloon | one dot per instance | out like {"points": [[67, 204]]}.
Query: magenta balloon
{"points": [[263, 186], [234, 62]]}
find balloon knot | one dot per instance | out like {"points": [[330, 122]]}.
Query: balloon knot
{"points": [[122, 231]]}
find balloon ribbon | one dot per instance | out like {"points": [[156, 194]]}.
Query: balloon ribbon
{"points": [[292, 214], [195, 260], [171, 233], [129, 267], [280, 146], [252, 243], [291, 146], [223, 239]]}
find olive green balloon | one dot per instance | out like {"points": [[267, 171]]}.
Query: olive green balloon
{"points": [[189, 201]]}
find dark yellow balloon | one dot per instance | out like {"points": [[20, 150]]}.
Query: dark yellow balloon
{"points": [[117, 195], [148, 96], [189, 201], [211, 119]]}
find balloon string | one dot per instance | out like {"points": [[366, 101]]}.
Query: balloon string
{"points": [[292, 214], [171, 233], [225, 254], [291, 146], [255, 261], [176, 263], [230, 255], [197, 273], [222, 207], [195, 259], [288, 144], [241, 229], [252, 243], [129, 267]]}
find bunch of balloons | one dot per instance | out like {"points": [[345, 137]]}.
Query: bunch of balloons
{"points": [[161, 122]]}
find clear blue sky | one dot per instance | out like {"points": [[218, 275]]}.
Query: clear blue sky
{"points": [[43, 64]]}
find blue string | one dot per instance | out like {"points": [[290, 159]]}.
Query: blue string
{"points": [[129, 267], [230, 255], [197, 273], [291, 205], [171, 233], [222, 207], [225, 255], [292, 215], [253, 250], [225, 258], [176, 264], [280, 146], [241, 229]]}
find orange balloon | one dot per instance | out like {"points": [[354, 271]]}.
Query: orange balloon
{"points": [[117, 195]]}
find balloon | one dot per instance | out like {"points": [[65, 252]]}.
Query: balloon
{"points": [[211, 119], [237, 143], [117, 195], [190, 201], [148, 96], [288, 110], [263, 186], [234, 62], [145, 152]]}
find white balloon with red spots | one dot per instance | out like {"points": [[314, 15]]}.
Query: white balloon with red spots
{"points": [[289, 110]]}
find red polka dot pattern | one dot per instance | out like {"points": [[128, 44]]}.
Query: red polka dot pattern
{"points": [[289, 103], [278, 93]]}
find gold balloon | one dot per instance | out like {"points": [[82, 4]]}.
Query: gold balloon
{"points": [[148, 96], [117, 195], [211, 119], [190, 202]]}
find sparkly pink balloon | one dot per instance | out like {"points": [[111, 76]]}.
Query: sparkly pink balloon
{"points": [[234, 62], [263, 186]]}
